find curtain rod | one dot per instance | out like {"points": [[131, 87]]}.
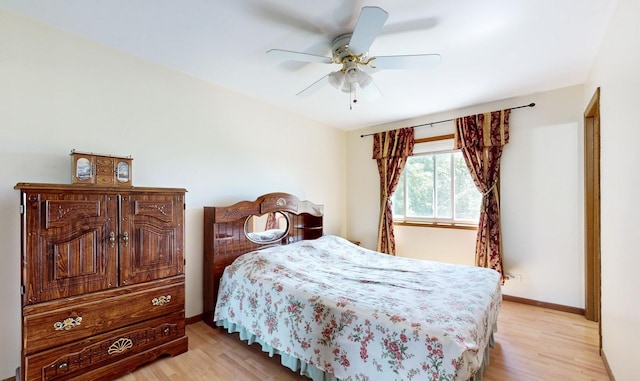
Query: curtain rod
{"points": [[449, 120]]}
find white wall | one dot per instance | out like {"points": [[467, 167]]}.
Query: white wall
{"points": [[617, 73], [436, 244], [59, 92], [541, 199]]}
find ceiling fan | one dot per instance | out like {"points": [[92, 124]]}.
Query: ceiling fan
{"points": [[351, 50]]}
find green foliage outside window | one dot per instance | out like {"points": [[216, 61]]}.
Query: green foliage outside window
{"points": [[437, 187]]}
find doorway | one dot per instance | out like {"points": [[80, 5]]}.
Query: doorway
{"points": [[592, 208]]}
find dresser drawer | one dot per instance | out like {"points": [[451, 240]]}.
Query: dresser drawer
{"points": [[67, 321], [76, 359]]}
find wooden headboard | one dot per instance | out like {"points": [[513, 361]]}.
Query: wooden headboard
{"points": [[225, 239]]}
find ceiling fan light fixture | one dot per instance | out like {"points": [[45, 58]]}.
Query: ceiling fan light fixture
{"points": [[365, 81], [336, 79], [352, 75], [347, 87], [357, 75]]}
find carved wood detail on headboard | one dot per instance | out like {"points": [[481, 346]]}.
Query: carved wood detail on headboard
{"points": [[225, 239]]}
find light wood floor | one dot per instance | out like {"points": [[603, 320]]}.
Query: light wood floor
{"points": [[532, 344]]}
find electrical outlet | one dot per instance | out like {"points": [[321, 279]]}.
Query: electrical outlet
{"points": [[514, 276]]}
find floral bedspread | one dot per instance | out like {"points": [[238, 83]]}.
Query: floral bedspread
{"points": [[361, 315]]}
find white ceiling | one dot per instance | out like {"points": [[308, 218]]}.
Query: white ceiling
{"points": [[491, 49]]}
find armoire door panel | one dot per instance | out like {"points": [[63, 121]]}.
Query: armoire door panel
{"points": [[77, 257], [69, 251], [159, 209], [152, 255], [62, 212], [154, 235], [157, 246]]}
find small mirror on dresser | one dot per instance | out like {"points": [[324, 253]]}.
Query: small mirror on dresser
{"points": [[266, 228]]}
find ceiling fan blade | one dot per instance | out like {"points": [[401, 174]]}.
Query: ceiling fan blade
{"points": [[367, 28], [415, 61], [314, 87], [411, 25], [371, 92], [298, 56], [288, 17]]}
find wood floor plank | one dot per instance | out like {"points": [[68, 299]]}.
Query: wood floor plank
{"points": [[532, 344]]}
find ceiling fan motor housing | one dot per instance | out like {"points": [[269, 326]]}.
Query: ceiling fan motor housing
{"points": [[341, 51]]}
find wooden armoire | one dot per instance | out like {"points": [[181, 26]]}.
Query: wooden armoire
{"points": [[103, 285]]}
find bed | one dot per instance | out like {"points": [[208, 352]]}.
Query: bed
{"points": [[334, 310]]}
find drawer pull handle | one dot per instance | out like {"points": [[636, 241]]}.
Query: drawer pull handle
{"points": [[63, 366], [161, 300], [125, 239], [166, 330], [121, 345], [112, 239], [68, 323]]}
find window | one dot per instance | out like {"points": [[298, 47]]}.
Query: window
{"points": [[436, 187]]}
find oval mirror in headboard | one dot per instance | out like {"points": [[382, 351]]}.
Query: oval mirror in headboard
{"points": [[266, 228], [227, 232]]}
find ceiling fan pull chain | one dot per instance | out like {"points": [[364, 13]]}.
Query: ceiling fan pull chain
{"points": [[353, 99]]}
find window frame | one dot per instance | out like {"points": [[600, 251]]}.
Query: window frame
{"points": [[435, 222]]}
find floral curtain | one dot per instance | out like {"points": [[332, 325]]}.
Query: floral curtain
{"points": [[481, 138], [390, 150], [272, 222]]}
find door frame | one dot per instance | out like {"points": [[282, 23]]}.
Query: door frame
{"points": [[592, 209]]}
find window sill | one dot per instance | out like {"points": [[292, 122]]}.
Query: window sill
{"points": [[444, 225]]}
